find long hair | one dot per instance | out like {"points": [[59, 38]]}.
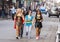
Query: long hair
{"points": [[38, 11], [29, 11], [18, 10], [39, 14]]}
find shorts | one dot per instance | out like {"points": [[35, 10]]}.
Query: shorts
{"points": [[18, 24], [38, 24]]}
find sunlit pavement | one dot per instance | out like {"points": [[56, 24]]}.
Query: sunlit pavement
{"points": [[48, 32]]}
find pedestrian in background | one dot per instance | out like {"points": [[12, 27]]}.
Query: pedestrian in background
{"points": [[28, 23], [18, 20], [22, 24], [13, 11], [38, 23]]}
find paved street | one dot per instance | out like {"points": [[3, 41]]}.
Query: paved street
{"points": [[48, 32]]}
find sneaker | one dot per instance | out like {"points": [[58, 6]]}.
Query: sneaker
{"points": [[37, 38], [16, 37]]}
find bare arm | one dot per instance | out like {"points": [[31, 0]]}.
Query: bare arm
{"points": [[33, 21], [15, 17]]}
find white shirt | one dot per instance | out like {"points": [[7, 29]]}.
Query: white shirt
{"points": [[13, 10]]}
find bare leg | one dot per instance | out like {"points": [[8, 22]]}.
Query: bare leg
{"points": [[17, 31], [37, 32]]}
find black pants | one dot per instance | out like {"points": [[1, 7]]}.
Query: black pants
{"points": [[22, 30], [13, 16]]}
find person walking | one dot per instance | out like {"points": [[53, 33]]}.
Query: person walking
{"points": [[18, 20], [38, 23], [22, 24], [13, 11], [28, 23]]}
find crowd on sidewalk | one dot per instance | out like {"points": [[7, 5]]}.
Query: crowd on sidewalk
{"points": [[7, 10]]}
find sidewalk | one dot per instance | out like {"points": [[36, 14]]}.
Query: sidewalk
{"points": [[48, 32], [7, 33]]}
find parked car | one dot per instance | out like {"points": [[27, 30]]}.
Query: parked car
{"points": [[43, 10], [53, 12]]}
